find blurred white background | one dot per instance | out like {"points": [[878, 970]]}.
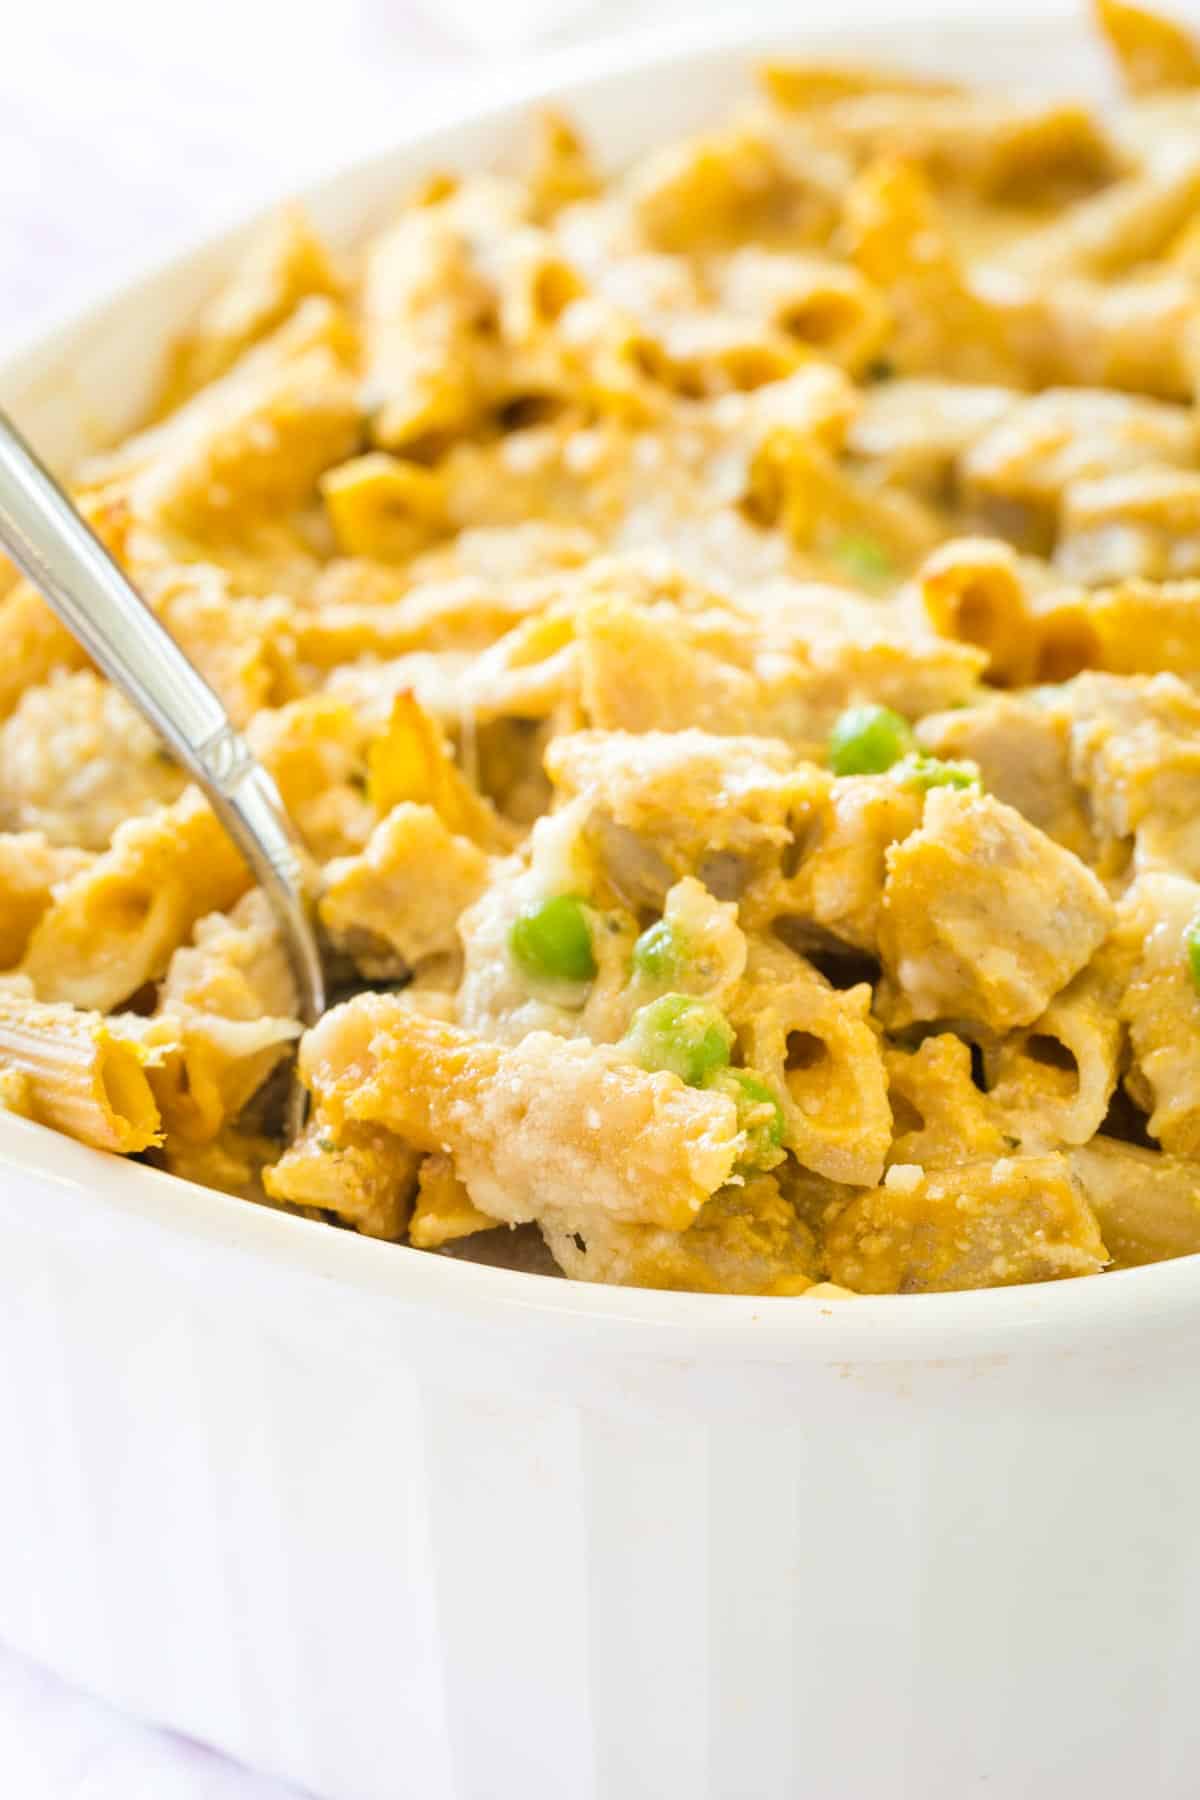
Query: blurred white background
{"points": [[132, 126]]}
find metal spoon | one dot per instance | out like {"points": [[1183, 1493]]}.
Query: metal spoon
{"points": [[65, 561]]}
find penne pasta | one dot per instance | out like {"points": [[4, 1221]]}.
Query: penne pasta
{"points": [[1146, 1203], [977, 591], [984, 1223], [140, 900], [816, 1049], [1147, 627], [73, 1071], [398, 902], [1052, 1084], [282, 267], [1121, 527], [841, 863], [442, 1210], [1151, 51], [1001, 149], [1129, 223], [30, 870], [746, 1240], [225, 1019], [941, 1118], [361, 1174], [1160, 1006]]}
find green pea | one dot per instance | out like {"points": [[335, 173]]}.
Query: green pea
{"points": [[688, 1037], [924, 772], [551, 940], [863, 559], [658, 953], [866, 740], [760, 1116], [1191, 941]]}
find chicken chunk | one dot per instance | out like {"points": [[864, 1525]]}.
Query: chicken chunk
{"points": [[400, 899], [1022, 751], [984, 917], [664, 805]]}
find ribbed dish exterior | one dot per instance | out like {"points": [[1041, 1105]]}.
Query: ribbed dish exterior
{"points": [[388, 1553]]}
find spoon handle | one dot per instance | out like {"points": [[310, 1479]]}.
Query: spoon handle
{"points": [[65, 561]]}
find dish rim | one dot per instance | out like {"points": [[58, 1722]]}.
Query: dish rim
{"points": [[950, 1326]]}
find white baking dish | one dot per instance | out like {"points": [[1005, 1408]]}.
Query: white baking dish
{"points": [[392, 1526]]}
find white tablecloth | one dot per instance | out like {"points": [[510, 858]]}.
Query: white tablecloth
{"points": [[56, 1744]]}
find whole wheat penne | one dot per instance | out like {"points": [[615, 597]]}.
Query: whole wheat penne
{"points": [[139, 901], [77, 1074]]}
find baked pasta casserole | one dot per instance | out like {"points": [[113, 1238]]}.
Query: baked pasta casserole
{"points": [[728, 633]]}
